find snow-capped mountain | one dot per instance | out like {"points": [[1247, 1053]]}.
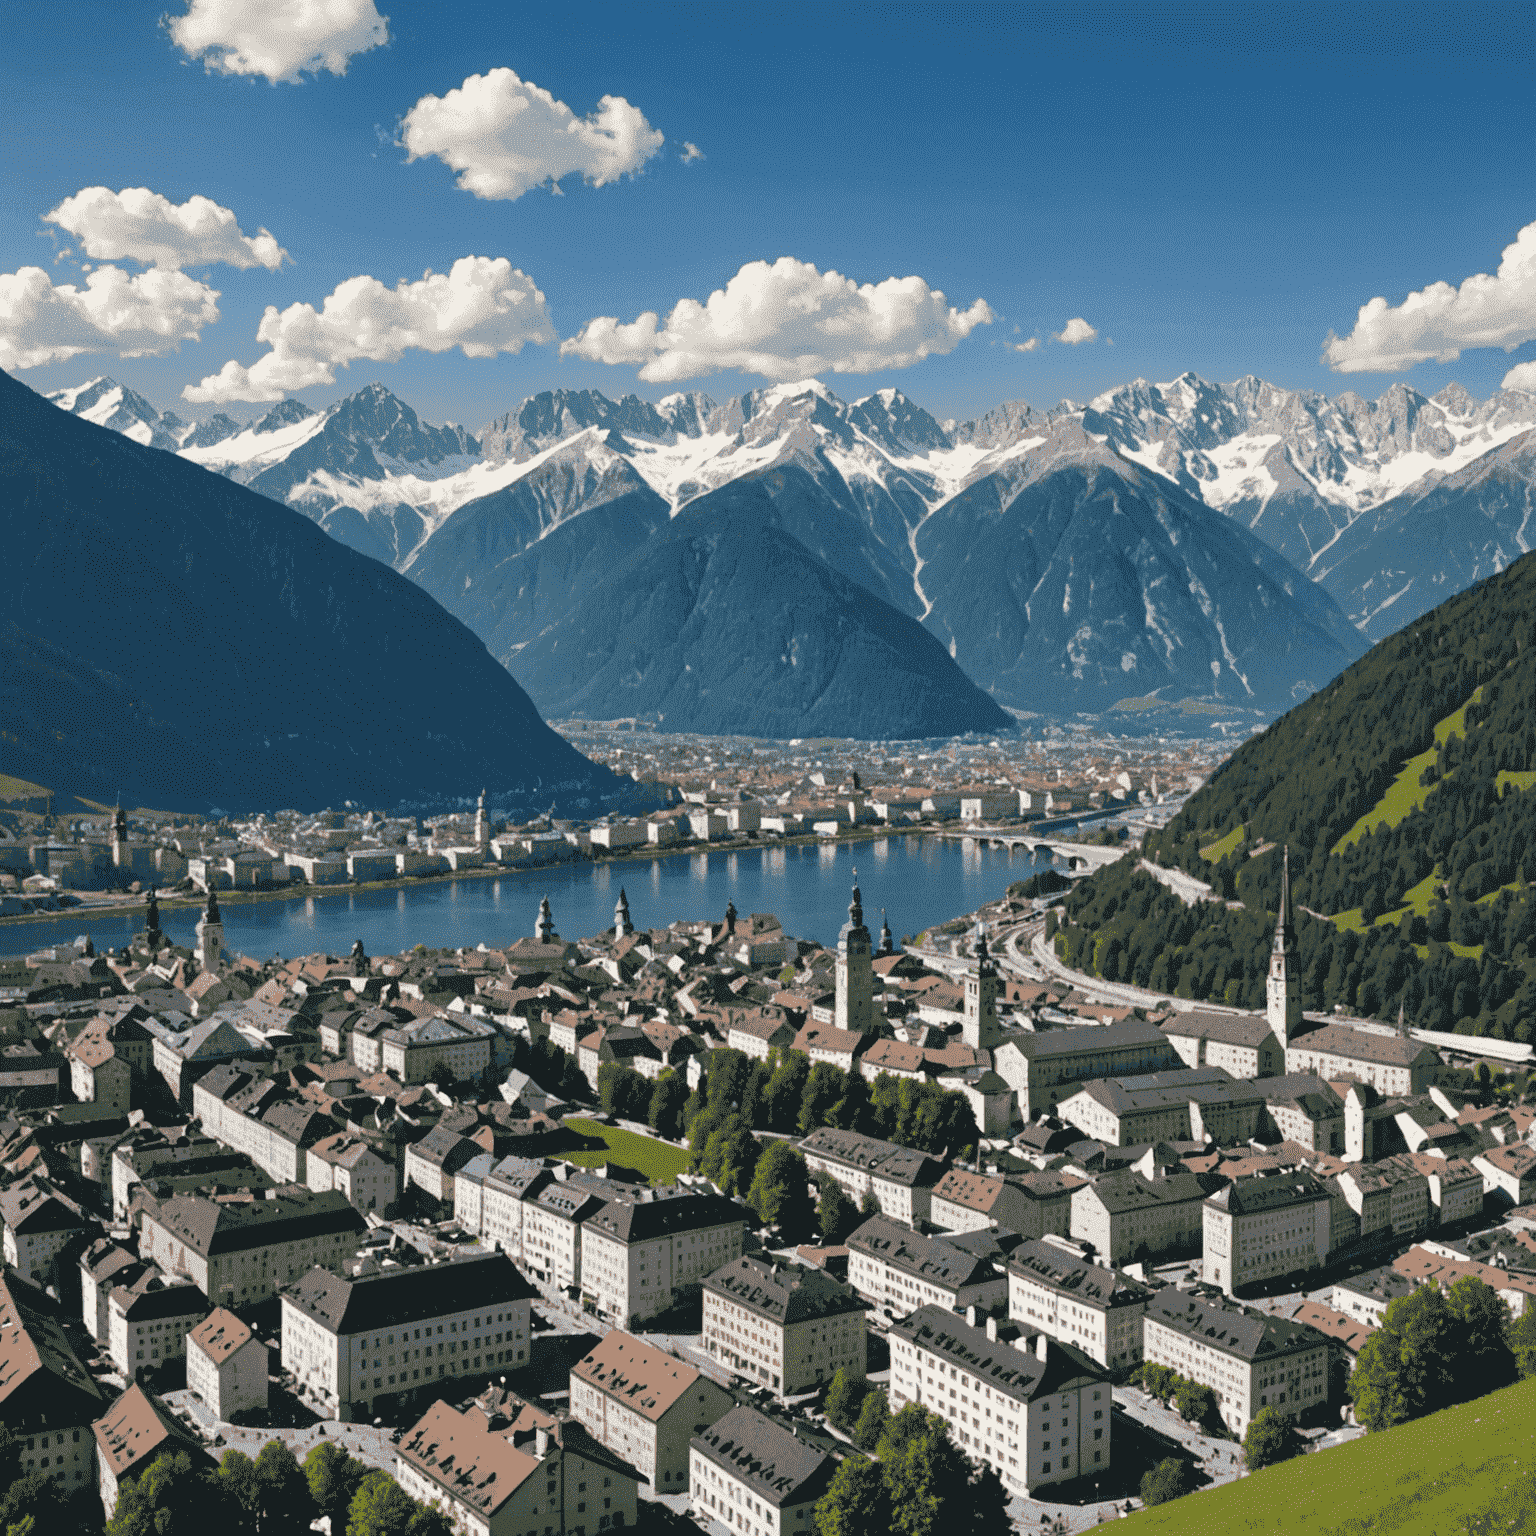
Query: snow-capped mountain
{"points": [[1292, 465], [109, 404]]}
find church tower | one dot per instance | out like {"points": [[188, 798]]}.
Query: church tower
{"points": [[1283, 988], [622, 927], [482, 832], [855, 978], [120, 854], [210, 935], [981, 1031], [154, 940], [887, 942], [544, 929]]}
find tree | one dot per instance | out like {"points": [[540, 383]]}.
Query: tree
{"points": [[824, 1086], [237, 1474], [1195, 1402], [286, 1502], [778, 1192], [835, 1214], [333, 1478], [844, 1398], [927, 1479], [786, 1089], [869, 1204], [1168, 1480], [729, 1154], [664, 1114], [169, 1498], [1522, 1342], [856, 1502], [380, 1507], [1269, 1439], [874, 1415], [1480, 1342], [32, 1496], [1406, 1368], [903, 1429], [985, 1511]]}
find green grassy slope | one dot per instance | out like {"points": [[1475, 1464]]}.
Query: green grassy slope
{"points": [[1439, 1476], [658, 1161]]}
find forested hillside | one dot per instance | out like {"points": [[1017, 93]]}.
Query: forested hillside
{"points": [[1406, 793]]}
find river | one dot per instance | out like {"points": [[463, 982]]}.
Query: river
{"points": [[919, 879]]}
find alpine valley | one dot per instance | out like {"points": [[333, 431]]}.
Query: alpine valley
{"points": [[768, 566]]}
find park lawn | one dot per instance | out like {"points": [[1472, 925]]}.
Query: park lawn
{"points": [[1434, 1477], [1214, 853], [657, 1160]]}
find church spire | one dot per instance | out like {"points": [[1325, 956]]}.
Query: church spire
{"points": [[887, 944], [544, 928], [1283, 925], [622, 927], [1282, 991], [856, 905]]}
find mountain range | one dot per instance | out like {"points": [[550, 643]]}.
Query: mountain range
{"points": [[1158, 540], [175, 638]]}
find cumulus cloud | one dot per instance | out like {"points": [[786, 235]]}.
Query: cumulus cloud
{"points": [[786, 321], [482, 307], [1440, 321], [139, 225], [279, 39], [138, 316], [1032, 345], [1075, 331], [1521, 376], [505, 136], [691, 152]]}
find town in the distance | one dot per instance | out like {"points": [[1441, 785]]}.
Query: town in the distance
{"points": [[695, 1222]]}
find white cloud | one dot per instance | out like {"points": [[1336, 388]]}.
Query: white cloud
{"points": [[691, 152], [1521, 376], [138, 316], [482, 307], [278, 38], [1032, 345], [505, 136], [786, 321], [1076, 331], [1439, 321], [139, 225]]}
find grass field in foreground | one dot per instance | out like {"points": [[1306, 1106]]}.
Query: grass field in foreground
{"points": [[658, 1161], [1434, 1477]]}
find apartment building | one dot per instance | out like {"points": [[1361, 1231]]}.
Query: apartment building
{"points": [[553, 1215], [1366, 1297], [1030, 1204], [756, 1034], [353, 1341], [897, 1269], [640, 1256], [1243, 1044], [151, 1152], [39, 1226], [432, 1163], [1388, 1199], [1044, 1068], [1302, 1108], [505, 1468], [1248, 1359], [236, 1109], [788, 1327], [1192, 1104], [756, 1478], [1261, 1228], [48, 1400], [1128, 1217], [488, 1198], [412, 1052], [347, 1164], [1509, 1173], [1036, 1411], [1391, 1064], [645, 1405], [899, 1178], [1454, 1186], [227, 1365], [147, 1323], [131, 1435], [104, 1266], [1053, 1290], [238, 1250]]}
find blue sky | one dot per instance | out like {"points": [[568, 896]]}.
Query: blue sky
{"points": [[1210, 187]]}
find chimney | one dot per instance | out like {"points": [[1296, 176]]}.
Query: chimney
{"points": [[992, 1329], [541, 1442], [970, 1317], [1042, 1347]]}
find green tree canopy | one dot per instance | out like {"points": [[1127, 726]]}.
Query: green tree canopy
{"points": [[924, 1476], [333, 1477], [778, 1192], [170, 1497], [380, 1507], [664, 1114], [844, 1399], [1168, 1480], [1522, 1341], [1406, 1368], [856, 1502], [1270, 1438], [1484, 1361], [286, 1502], [874, 1415], [836, 1215]]}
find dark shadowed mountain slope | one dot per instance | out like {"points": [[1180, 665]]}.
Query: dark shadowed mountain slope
{"points": [[725, 623], [294, 671], [1397, 562], [1070, 579]]}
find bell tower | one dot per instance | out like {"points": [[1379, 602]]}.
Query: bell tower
{"points": [[981, 1030], [544, 928], [622, 927], [210, 935], [1282, 989], [855, 977]]}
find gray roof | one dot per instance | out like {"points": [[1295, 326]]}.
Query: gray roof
{"points": [[1170, 1090], [1063, 1271], [1010, 1371], [778, 1467], [1270, 1192], [881, 1159], [1384, 1284], [630, 1221], [932, 1258], [1126, 1190], [785, 1293], [210, 1227], [347, 1305], [1250, 1029], [1362, 1045], [1232, 1329], [1131, 1034], [1305, 1091]]}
